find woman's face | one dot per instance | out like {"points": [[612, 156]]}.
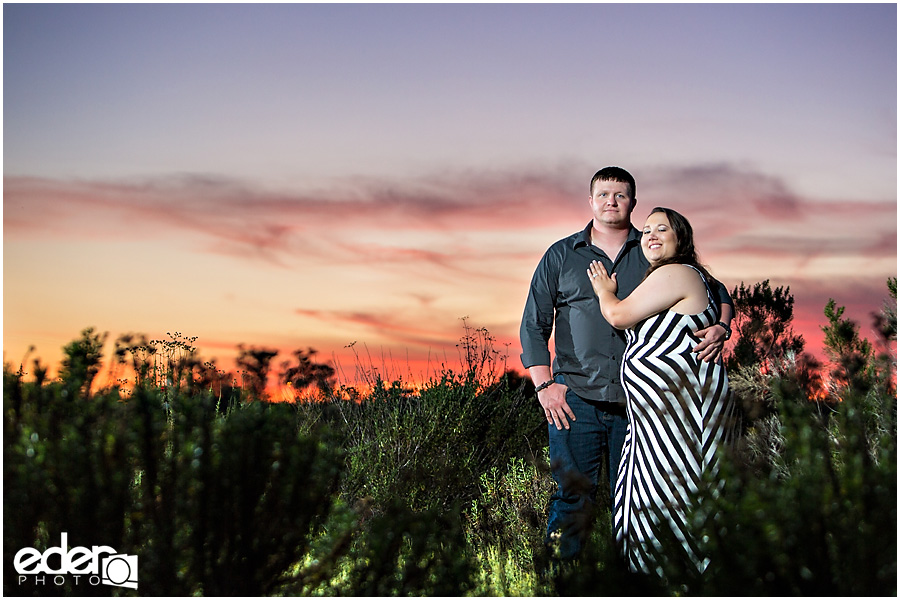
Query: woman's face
{"points": [[658, 240]]}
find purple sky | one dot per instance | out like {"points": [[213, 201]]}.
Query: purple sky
{"points": [[314, 175]]}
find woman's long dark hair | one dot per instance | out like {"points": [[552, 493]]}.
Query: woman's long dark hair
{"points": [[685, 252]]}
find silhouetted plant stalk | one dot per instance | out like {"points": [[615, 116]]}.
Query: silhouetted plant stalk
{"points": [[478, 355], [367, 375], [480, 364]]}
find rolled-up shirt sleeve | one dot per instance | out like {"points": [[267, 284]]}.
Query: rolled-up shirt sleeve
{"points": [[720, 292], [537, 319]]}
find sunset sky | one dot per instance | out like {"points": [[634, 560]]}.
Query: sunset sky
{"points": [[296, 175]]}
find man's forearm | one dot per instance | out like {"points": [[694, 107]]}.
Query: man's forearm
{"points": [[540, 374], [726, 314]]}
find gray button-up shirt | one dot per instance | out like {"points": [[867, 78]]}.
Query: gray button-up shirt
{"points": [[588, 349]]}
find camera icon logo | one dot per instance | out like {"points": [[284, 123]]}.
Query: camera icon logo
{"points": [[119, 570]]}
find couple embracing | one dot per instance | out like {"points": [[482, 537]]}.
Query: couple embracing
{"points": [[637, 384]]}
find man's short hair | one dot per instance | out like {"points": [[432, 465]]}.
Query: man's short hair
{"points": [[614, 174]]}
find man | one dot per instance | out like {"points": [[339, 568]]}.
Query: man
{"points": [[582, 397]]}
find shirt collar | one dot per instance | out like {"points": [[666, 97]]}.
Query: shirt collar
{"points": [[584, 237]]}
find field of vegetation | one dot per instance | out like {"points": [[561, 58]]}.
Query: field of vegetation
{"points": [[384, 488]]}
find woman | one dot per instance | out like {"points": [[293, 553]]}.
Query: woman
{"points": [[680, 409]]}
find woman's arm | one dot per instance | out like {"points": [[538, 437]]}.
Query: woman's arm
{"points": [[664, 288]]}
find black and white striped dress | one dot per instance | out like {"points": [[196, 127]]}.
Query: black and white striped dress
{"points": [[680, 410]]}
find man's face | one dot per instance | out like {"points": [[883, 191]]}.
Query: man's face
{"points": [[612, 203]]}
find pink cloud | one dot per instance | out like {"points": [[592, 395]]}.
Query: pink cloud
{"points": [[733, 211], [393, 327], [228, 217]]}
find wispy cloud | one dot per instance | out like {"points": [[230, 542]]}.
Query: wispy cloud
{"points": [[390, 326], [717, 186], [445, 225], [724, 202], [232, 218], [742, 213]]}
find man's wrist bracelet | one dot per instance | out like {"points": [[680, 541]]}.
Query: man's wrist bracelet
{"points": [[544, 386]]}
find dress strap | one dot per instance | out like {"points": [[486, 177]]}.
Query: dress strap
{"points": [[712, 300]]}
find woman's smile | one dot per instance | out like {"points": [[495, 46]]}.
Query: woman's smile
{"points": [[658, 240]]}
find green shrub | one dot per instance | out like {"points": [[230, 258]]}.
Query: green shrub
{"points": [[506, 525], [511, 510], [429, 448], [403, 552], [212, 504], [68, 466], [822, 522]]}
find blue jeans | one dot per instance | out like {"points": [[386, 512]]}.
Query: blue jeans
{"points": [[577, 455]]}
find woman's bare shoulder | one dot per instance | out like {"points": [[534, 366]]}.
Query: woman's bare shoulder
{"points": [[675, 270], [677, 274]]}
